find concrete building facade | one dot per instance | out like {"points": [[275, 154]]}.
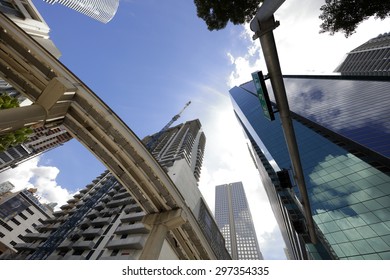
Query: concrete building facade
{"points": [[20, 214]]}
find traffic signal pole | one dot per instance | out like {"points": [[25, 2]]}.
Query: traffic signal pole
{"points": [[263, 25]]}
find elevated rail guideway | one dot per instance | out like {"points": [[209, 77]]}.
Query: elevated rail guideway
{"points": [[59, 96]]}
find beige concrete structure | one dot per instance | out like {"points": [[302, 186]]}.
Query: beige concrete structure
{"points": [[34, 72]]}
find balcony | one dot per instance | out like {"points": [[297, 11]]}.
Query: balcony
{"points": [[66, 207], [81, 203], [133, 208], [36, 236], [101, 221], [116, 203], [112, 192], [126, 257], [133, 242], [132, 229], [109, 212], [72, 200], [41, 228], [65, 245], [49, 221], [93, 214], [26, 246], [78, 195], [100, 206], [83, 245], [58, 213], [83, 191], [85, 224], [132, 217], [74, 257], [91, 232], [121, 195], [106, 199]]}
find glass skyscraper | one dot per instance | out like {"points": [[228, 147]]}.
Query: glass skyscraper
{"points": [[370, 59], [342, 125], [101, 10], [235, 222]]}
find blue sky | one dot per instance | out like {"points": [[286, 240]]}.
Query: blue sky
{"points": [[155, 56], [145, 64]]}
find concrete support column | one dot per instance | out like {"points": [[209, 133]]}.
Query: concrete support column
{"points": [[160, 224], [15, 118]]}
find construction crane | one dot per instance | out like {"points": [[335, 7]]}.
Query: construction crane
{"points": [[150, 145]]}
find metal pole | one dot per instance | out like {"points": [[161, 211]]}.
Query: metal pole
{"points": [[275, 73]]}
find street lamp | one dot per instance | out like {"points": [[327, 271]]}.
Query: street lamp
{"points": [[263, 25]]}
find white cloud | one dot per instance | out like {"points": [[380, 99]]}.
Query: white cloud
{"points": [[32, 175], [301, 50], [227, 160]]}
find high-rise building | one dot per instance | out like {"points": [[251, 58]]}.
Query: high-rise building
{"points": [[235, 222], [20, 213], [101, 10], [370, 59], [41, 140], [180, 147], [103, 221], [342, 126], [26, 16]]}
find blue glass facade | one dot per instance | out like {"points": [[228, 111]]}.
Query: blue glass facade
{"points": [[349, 191]]}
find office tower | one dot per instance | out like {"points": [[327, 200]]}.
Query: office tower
{"points": [[342, 129], [103, 221], [370, 59], [20, 213], [234, 220], [101, 10]]}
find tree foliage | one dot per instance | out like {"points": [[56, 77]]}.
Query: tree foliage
{"points": [[345, 15], [15, 137], [217, 13]]}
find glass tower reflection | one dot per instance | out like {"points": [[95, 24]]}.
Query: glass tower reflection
{"points": [[342, 128]]}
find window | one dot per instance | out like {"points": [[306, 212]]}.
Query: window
{"points": [[6, 226], [29, 211], [114, 253], [23, 216], [15, 221], [13, 243], [78, 252], [1, 234], [22, 238]]}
